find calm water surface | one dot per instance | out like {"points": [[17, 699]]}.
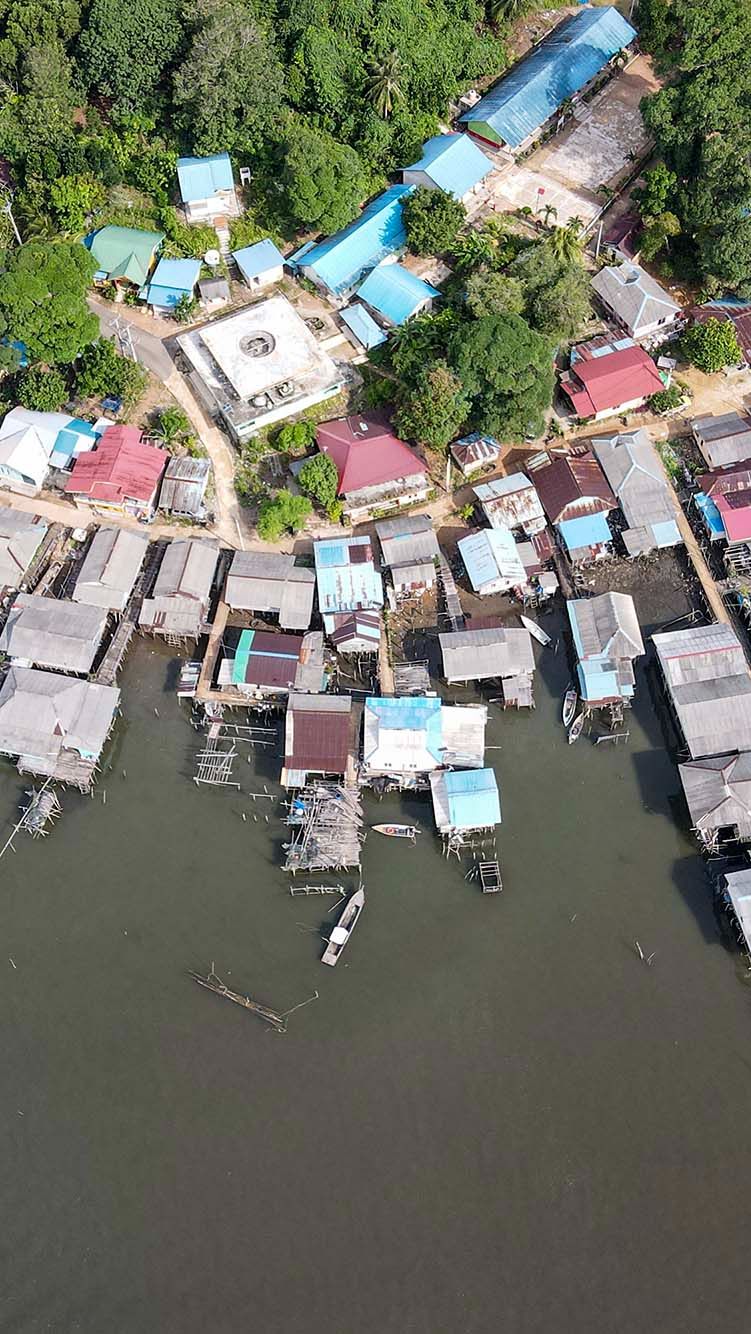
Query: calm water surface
{"points": [[494, 1117]]}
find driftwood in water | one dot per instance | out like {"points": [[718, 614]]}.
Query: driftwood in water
{"points": [[215, 984]]}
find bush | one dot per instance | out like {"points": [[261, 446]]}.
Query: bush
{"points": [[185, 308], [711, 346], [432, 220], [42, 391], [101, 371], [282, 513], [666, 399], [297, 437], [320, 479]]}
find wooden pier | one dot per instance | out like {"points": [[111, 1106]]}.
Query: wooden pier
{"points": [[203, 689], [450, 595], [112, 661], [490, 877]]}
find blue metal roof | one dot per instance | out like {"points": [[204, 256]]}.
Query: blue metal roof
{"points": [[599, 680], [172, 278], [587, 531], [201, 177], [565, 61], [489, 555], [453, 162], [363, 326], [253, 260], [342, 260], [710, 514], [667, 534], [344, 585], [473, 798], [418, 713], [75, 438], [395, 292]]}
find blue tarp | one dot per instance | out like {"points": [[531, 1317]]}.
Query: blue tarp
{"points": [[711, 516], [201, 177], [473, 798], [563, 63], [588, 531], [453, 162], [74, 439], [253, 260], [343, 260], [395, 292], [363, 326]]}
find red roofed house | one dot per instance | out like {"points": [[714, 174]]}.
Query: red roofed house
{"points": [[121, 474], [730, 489], [577, 499], [606, 379], [376, 469]]}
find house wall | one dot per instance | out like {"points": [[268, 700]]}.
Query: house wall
{"points": [[639, 331], [267, 279], [223, 202], [250, 428], [421, 178], [615, 412], [392, 495]]}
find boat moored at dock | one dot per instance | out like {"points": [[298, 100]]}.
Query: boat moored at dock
{"points": [[341, 933]]}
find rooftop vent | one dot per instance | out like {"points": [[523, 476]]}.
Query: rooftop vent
{"points": [[257, 344]]}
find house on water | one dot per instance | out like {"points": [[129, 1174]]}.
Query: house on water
{"points": [[110, 568], [269, 582], [179, 604], [55, 726], [319, 738], [465, 801], [708, 686], [718, 795], [636, 476], [492, 561], [491, 654], [405, 739], [268, 665], [723, 440], [50, 632], [348, 583], [409, 548], [375, 469], [736, 887], [607, 640], [561, 68]]}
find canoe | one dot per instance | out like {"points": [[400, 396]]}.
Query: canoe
{"points": [[341, 933], [575, 730], [569, 706], [535, 631], [396, 830]]}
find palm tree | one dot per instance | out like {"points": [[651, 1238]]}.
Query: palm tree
{"points": [[506, 11], [384, 84], [549, 211], [566, 243]]}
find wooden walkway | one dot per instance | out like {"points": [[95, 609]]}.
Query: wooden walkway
{"points": [[112, 661], [203, 689], [451, 596]]}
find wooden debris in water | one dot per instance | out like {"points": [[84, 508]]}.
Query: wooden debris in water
{"points": [[213, 983]]}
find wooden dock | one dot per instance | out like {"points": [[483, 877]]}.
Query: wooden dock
{"points": [[120, 643], [450, 594], [203, 689]]}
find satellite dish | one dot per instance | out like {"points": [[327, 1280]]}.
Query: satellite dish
{"points": [[212, 258]]}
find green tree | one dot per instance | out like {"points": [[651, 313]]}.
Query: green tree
{"points": [[384, 83], [506, 368], [434, 411], [31, 23], [296, 437], [657, 234], [126, 49], [491, 293], [324, 181], [420, 341], [42, 301], [171, 425], [185, 308], [725, 256], [657, 192], [40, 117], [74, 199], [711, 346], [471, 250], [502, 12], [228, 89], [282, 513], [566, 243], [319, 478], [556, 290], [666, 399], [42, 390], [432, 220], [101, 371]]}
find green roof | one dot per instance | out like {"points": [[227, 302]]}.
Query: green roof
{"points": [[125, 252]]}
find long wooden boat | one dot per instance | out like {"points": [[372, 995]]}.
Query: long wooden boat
{"points": [[535, 631], [341, 933], [397, 830], [575, 730], [569, 706]]}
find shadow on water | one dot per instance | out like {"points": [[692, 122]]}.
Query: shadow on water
{"points": [[690, 878]]}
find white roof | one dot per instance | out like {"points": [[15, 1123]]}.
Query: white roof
{"points": [[27, 440]]}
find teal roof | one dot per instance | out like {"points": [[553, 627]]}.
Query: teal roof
{"points": [[420, 713], [563, 63], [254, 260], [343, 260], [202, 177], [363, 326], [124, 252], [473, 798], [172, 279], [453, 162], [395, 292]]}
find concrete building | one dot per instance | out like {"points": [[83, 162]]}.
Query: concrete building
{"points": [[179, 604], [608, 379], [492, 561], [637, 478], [122, 474], [55, 726], [375, 469], [270, 582], [709, 688], [450, 162], [110, 569], [48, 632], [723, 440], [259, 366], [261, 264], [633, 298]]}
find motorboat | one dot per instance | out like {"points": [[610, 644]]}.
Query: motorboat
{"points": [[341, 933]]}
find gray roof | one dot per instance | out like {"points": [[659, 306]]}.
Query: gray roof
{"points": [[53, 633], [43, 715], [635, 297], [608, 625], [707, 678], [181, 594], [269, 581], [407, 539], [724, 439], [184, 486], [419, 573], [214, 289], [738, 885], [633, 469], [20, 535], [718, 792], [110, 568], [511, 502], [475, 655]]}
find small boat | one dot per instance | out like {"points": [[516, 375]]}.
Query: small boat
{"points": [[575, 730], [341, 933], [535, 631], [397, 830], [569, 706]]}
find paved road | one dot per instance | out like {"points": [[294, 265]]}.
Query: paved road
{"points": [[116, 322]]}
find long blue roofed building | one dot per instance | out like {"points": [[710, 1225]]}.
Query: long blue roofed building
{"points": [[341, 262]]}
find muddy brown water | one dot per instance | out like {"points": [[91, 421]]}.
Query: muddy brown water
{"points": [[493, 1118]]}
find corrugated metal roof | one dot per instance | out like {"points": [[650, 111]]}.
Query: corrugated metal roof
{"points": [[491, 556], [634, 296], [318, 733], [366, 452], [475, 451], [707, 677], [395, 292], [630, 463], [253, 260], [454, 163], [346, 577], [723, 440], [605, 626], [342, 260], [51, 633], [184, 485], [410, 538], [202, 177], [124, 252], [572, 485], [564, 62], [20, 535], [171, 280], [359, 629], [42, 715], [110, 568], [511, 502], [403, 735], [363, 326], [718, 792], [738, 885], [465, 799], [269, 581], [477, 655], [590, 530]]}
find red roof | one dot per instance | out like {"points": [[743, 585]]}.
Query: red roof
{"points": [[598, 383], [366, 452], [571, 486], [321, 742], [121, 467], [735, 512]]}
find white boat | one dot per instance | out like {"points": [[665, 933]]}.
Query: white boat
{"points": [[535, 631], [569, 706], [397, 830], [341, 933], [575, 730]]}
